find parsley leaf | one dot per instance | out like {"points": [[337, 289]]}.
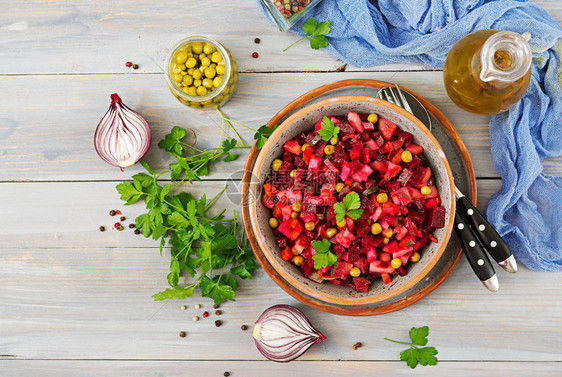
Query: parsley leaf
{"points": [[262, 134], [323, 257], [414, 355], [328, 129], [175, 292], [172, 141], [315, 32], [348, 207]]}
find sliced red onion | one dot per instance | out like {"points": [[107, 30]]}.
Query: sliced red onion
{"points": [[282, 333], [123, 136]]}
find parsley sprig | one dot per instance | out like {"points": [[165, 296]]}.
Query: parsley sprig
{"points": [[315, 32], [211, 244], [328, 130], [348, 207], [260, 135], [414, 355], [323, 256]]}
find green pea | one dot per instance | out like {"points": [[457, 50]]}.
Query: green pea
{"points": [[177, 77], [187, 80], [208, 49], [197, 48], [197, 83], [206, 61], [196, 74], [201, 91], [220, 69], [192, 91], [217, 81], [190, 71], [216, 57], [191, 62], [176, 68], [208, 83], [181, 57], [210, 72]]}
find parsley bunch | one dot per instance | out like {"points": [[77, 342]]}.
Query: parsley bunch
{"points": [[348, 207], [211, 244], [414, 355], [323, 256], [328, 130], [315, 32]]}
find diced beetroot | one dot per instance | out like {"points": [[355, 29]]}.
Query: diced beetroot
{"points": [[432, 203], [345, 170], [371, 255], [301, 243], [387, 128], [269, 189], [406, 137], [435, 217], [377, 214], [406, 257], [386, 278], [341, 269], [362, 228], [415, 194], [401, 196], [350, 224], [416, 216], [325, 269], [319, 148], [372, 145], [385, 257], [361, 284], [392, 186], [434, 193], [335, 120], [315, 163], [415, 149], [365, 156], [291, 228], [293, 147], [307, 267], [308, 217], [318, 126], [355, 122], [421, 176], [379, 166], [281, 241], [405, 177], [400, 232], [402, 252], [354, 154], [397, 157], [402, 271], [363, 174], [391, 248], [390, 220], [380, 267], [371, 241], [388, 147], [330, 165], [392, 170], [286, 253], [368, 126], [268, 202]]}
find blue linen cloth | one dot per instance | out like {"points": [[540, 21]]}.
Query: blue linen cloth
{"points": [[527, 210]]}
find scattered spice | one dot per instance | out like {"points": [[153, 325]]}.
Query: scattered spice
{"points": [[255, 55], [216, 306], [122, 218], [218, 312], [137, 231], [116, 225], [120, 228], [135, 66], [357, 345], [196, 318], [182, 334], [102, 228], [183, 307], [205, 314], [197, 306], [244, 327], [131, 226], [341, 68], [257, 41], [112, 213], [117, 212], [128, 64], [226, 374], [218, 323]]}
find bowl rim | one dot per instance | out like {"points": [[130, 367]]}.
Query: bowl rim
{"points": [[252, 208]]}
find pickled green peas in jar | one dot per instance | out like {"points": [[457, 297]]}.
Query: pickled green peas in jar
{"points": [[201, 72]]}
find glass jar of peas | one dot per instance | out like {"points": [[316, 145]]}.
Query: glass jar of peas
{"points": [[201, 72]]}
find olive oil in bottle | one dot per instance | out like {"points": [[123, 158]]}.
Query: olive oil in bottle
{"points": [[488, 71]]}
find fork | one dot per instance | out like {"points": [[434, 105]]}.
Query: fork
{"points": [[477, 235]]}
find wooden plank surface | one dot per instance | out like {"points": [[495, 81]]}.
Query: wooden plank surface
{"points": [[92, 303], [50, 136], [15, 368], [68, 214]]}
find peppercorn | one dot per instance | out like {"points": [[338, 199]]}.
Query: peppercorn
{"points": [[112, 213], [255, 55], [197, 306], [182, 334], [257, 41], [195, 318], [218, 323], [226, 374], [183, 307], [216, 306], [128, 64], [131, 226], [122, 218], [116, 225], [137, 231], [120, 228], [357, 345], [135, 66], [102, 228], [244, 327], [117, 212], [205, 314], [218, 312]]}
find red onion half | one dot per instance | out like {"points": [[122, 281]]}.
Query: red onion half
{"points": [[123, 136], [283, 333]]}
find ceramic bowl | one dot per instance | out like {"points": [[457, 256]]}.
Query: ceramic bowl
{"points": [[304, 120]]}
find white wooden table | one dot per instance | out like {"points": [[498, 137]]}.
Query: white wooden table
{"points": [[76, 302]]}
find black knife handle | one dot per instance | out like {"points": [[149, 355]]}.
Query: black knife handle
{"points": [[474, 252], [490, 239]]}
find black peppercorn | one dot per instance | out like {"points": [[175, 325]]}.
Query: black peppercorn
{"points": [[102, 228], [131, 226], [122, 218], [218, 312], [137, 231], [226, 374], [257, 41], [182, 334], [135, 66], [216, 306], [244, 327], [112, 213], [218, 323]]}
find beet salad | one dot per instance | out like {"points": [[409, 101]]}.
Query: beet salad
{"points": [[353, 201]]}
